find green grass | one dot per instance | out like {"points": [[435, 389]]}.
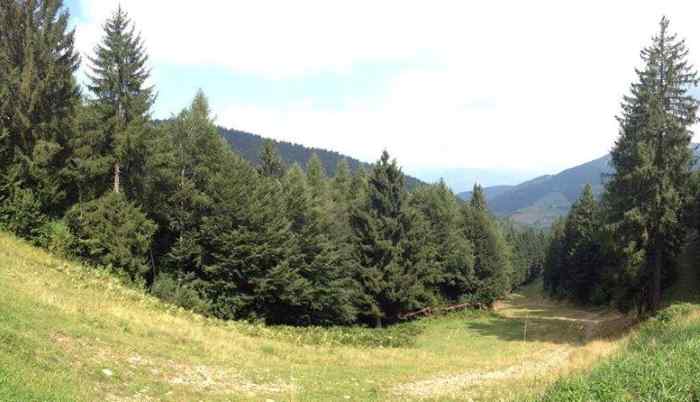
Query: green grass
{"points": [[26, 361], [661, 362], [72, 333], [400, 335]]}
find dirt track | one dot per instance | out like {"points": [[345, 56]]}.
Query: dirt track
{"points": [[586, 335]]}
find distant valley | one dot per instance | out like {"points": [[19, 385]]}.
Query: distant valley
{"points": [[540, 201]]}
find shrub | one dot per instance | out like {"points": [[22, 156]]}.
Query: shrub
{"points": [[56, 237], [112, 232], [20, 213], [173, 291]]}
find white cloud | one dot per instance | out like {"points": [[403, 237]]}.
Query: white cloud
{"points": [[507, 84]]}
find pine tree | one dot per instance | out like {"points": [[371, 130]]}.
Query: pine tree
{"points": [[113, 232], [341, 182], [391, 270], [91, 163], [528, 251], [652, 163], [341, 202], [451, 253], [478, 200], [492, 268], [245, 242], [38, 97], [123, 100], [271, 165], [321, 261], [197, 152], [554, 263], [582, 248], [317, 177]]}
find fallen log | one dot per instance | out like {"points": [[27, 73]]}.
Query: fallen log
{"points": [[428, 311]]}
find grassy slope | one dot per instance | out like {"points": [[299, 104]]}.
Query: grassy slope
{"points": [[660, 363], [73, 333]]}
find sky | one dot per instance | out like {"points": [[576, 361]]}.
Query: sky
{"points": [[514, 88]]}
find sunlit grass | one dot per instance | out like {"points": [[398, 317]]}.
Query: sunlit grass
{"points": [[69, 332]]}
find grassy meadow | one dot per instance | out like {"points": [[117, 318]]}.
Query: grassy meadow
{"points": [[69, 332]]}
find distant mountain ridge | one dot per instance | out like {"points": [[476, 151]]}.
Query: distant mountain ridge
{"points": [[459, 179], [249, 146], [540, 201]]}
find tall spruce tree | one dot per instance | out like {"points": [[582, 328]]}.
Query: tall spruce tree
{"points": [[582, 248], [341, 201], [341, 181], [359, 185], [91, 163], [197, 153], [652, 161], [492, 268], [271, 165], [554, 262], [452, 255], [321, 260], [38, 98], [123, 99], [528, 251], [478, 200], [316, 174], [246, 243], [391, 270]]}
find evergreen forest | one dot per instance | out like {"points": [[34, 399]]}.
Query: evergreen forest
{"points": [[171, 207]]}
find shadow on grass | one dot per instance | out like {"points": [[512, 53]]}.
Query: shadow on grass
{"points": [[542, 326], [532, 329]]}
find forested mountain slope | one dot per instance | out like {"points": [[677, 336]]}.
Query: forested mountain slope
{"points": [[250, 146]]}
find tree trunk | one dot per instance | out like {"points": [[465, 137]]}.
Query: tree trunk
{"points": [[656, 279], [117, 172], [153, 267], [378, 322]]}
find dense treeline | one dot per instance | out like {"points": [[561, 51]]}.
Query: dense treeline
{"points": [[170, 206], [624, 248]]}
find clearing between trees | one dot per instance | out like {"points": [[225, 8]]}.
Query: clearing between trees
{"points": [[75, 333]]}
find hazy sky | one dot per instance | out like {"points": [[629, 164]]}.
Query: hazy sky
{"points": [[509, 85]]}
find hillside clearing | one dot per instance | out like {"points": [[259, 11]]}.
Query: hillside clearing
{"points": [[70, 332]]}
